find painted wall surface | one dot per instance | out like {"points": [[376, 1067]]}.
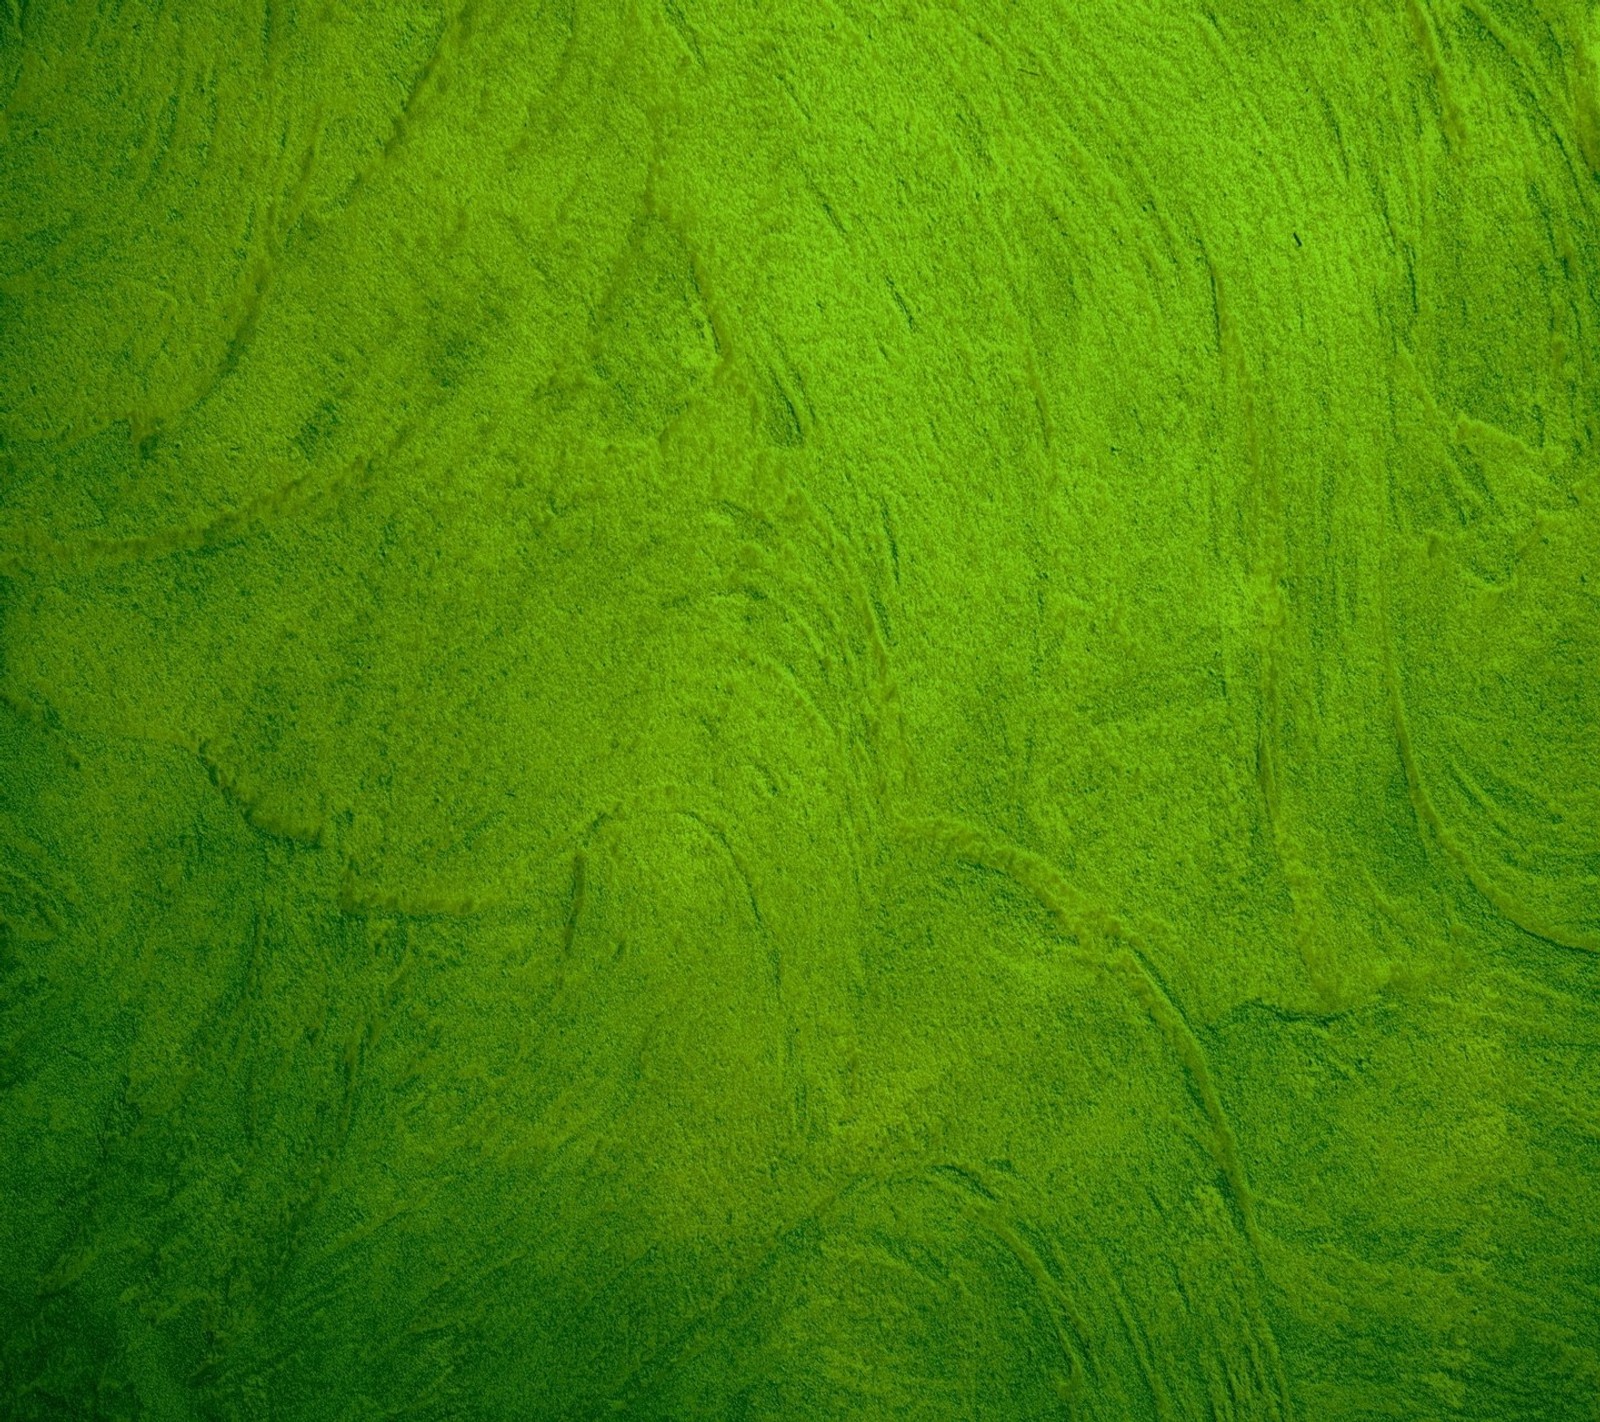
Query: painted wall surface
{"points": [[800, 710]]}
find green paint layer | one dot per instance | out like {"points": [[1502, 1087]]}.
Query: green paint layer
{"points": [[803, 710]]}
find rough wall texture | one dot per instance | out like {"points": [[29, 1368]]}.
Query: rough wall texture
{"points": [[800, 710]]}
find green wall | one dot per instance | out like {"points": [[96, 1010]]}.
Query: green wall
{"points": [[800, 710]]}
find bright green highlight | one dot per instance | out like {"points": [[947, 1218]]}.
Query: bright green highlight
{"points": [[795, 711]]}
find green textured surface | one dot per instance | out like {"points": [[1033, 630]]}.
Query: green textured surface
{"points": [[796, 711]]}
